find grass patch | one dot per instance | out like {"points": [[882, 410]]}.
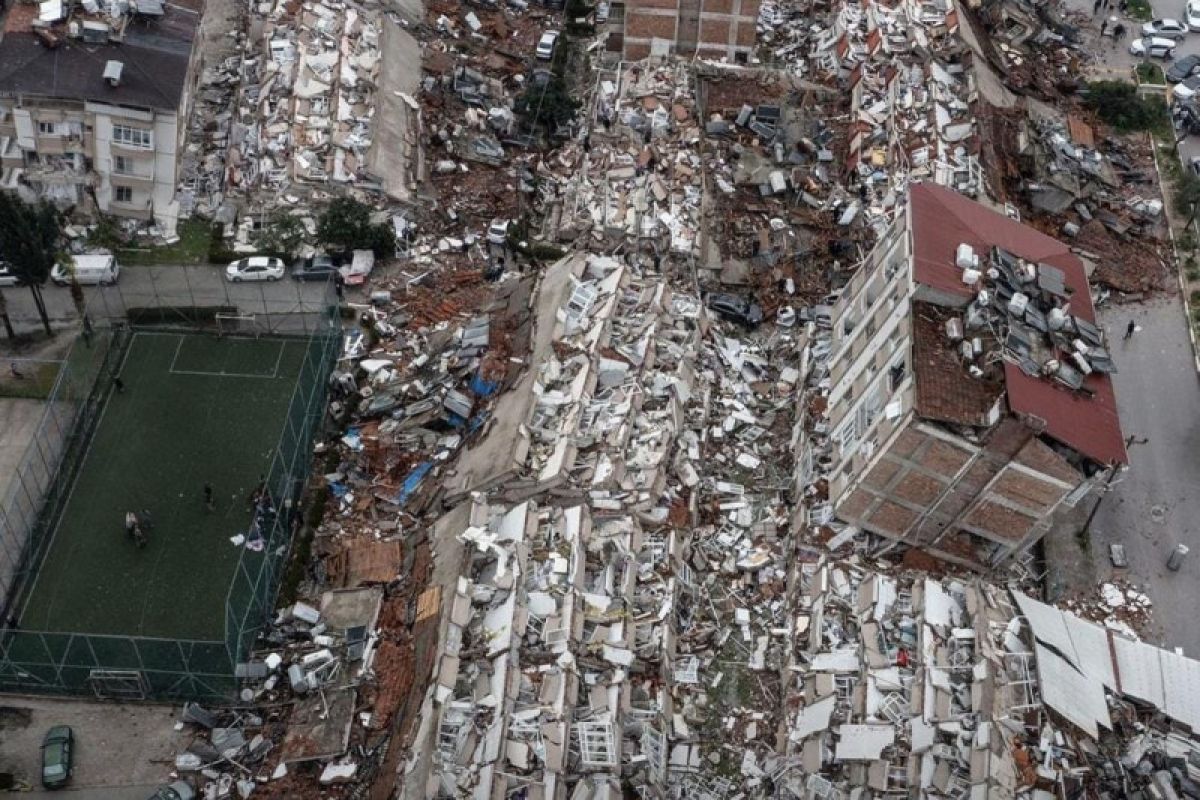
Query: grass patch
{"points": [[195, 238], [195, 410], [1119, 104], [1151, 73], [36, 383], [1140, 10]]}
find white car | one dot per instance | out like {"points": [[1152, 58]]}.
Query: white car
{"points": [[1191, 15], [1186, 90], [1165, 29], [7, 278], [256, 268], [497, 232], [545, 45], [1153, 47]]}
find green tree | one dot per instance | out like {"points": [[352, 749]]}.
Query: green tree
{"points": [[547, 105], [1187, 195], [345, 224], [282, 233], [1119, 104], [29, 238], [8, 328]]}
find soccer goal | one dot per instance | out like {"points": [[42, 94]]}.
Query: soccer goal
{"points": [[239, 324]]}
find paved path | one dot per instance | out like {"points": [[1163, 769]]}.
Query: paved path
{"points": [[158, 286], [1156, 504]]}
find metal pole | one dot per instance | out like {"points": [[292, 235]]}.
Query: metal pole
{"points": [[191, 295]]}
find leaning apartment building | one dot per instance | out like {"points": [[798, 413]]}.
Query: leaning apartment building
{"points": [[967, 387], [93, 106]]}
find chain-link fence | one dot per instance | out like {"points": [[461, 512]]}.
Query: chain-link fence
{"points": [[202, 298], [139, 666]]}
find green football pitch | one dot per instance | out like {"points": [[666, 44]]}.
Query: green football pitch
{"points": [[196, 409]]}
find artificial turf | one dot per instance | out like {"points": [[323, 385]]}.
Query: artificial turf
{"points": [[196, 409]]}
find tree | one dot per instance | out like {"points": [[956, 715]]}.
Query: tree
{"points": [[282, 233], [345, 224], [1119, 104], [8, 328], [549, 104], [29, 237], [1187, 195]]}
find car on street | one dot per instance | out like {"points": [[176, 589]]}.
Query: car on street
{"points": [[320, 267], [1191, 15], [7, 278], [736, 308], [1194, 166], [545, 45], [1153, 47], [179, 790], [1165, 29], [58, 747], [255, 268], [1183, 68]]}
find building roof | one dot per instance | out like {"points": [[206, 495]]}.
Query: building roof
{"points": [[155, 55], [1086, 420]]}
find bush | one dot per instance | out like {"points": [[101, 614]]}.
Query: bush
{"points": [[1119, 104], [346, 225]]}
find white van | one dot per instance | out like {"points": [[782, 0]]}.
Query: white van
{"points": [[89, 271]]}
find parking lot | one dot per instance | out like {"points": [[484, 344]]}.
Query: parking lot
{"points": [[121, 750]]}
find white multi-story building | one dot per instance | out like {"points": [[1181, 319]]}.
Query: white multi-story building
{"points": [[93, 109], [965, 388]]}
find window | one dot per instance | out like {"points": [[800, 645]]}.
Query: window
{"points": [[132, 137], [123, 194], [122, 165], [896, 375], [46, 128]]}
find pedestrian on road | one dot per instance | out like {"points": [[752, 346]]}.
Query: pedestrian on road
{"points": [[1119, 33], [1096, 7], [1129, 330], [16, 373], [1129, 440], [208, 497], [339, 285], [1103, 27]]}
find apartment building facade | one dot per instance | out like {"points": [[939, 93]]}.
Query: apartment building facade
{"points": [[965, 407], [713, 29], [94, 116]]}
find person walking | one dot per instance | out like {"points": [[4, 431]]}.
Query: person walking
{"points": [[1096, 7], [16, 373], [1103, 27], [1118, 33], [209, 505], [1129, 330], [131, 522]]}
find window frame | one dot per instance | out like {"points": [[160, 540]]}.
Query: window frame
{"points": [[129, 136], [117, 190]]}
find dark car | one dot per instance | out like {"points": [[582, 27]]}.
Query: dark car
{"points": [[57, 750], [314, 268], [736, 308], [1183, 68]]}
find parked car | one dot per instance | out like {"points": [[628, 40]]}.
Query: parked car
{"points": [[7, 278], [179, 790], [1194, 166], [1165, 29], [1153, 47], [545, 46], [1191, 15], [1183, 68], [58, 748], [1187, 117], [89, 270], [497, 232], [1186, 89], [255, 268], [320, 267], [359, 267], [736, 308]]}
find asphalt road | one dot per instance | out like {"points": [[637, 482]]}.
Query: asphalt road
{"points": [[141, 287]]}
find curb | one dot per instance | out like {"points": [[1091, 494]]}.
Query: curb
{"points": [[1179, 274]]}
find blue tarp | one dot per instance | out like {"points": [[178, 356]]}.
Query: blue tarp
{"points": [[412, 482], [483, 388]]}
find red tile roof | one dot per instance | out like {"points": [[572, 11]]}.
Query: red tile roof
{"points": [[941, 220]]}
